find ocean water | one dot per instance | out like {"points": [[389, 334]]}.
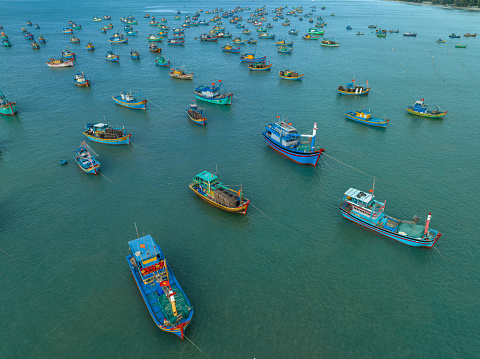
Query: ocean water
{"points": [[292, 278]]}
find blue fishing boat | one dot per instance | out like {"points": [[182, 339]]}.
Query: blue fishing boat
{"points": [[253, 57], [420, 109], [164, 297], [127, 99], [195, 114], [454, 36], [284, 138], [349, 27], [365, 117], [213, 94], [41, 39], [293, 32], [284, 50], [162, 61], [68, 55], [110, 135], [290, 75], [118, 39], [81, 80], [112, 57], [354, 90], [412, 34], [363, 209], [85, 158], [230, 48], [134, 54], [7, 108]]}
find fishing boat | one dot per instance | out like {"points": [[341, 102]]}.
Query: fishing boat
{"points": [[310, 37], [90, 46], [213, 94], [420, 109], [412, 34], [146, 16], [259, 66], [470, 35], [252, 57], [360, 33], [181, 73], [6, 43], [85, 158], [35, 45], [29, 23], [134, 54], [96, 18], [28, 36], [454, 36], [284, 43], [153, 23], [154, 38], [80, 80], [68, 55], [266, 35], [293, 32], [109, 26], [103, 30], [207, 186], [230, 48], [132, 22], [110, 135], [76, 27], [246, 32], [162, 61], [41, 39], [362, 208], [313, 31], [290, 75], [284, 138], [441, 41], [208, 38], [60, 63], [365, 117], [176, 42], [372, 26], [118, 39], [74, 40], [107, 17], [7, 108], [284, 50], [381, 34], [195, 114], [252, 41], [112, 57], [36, 26], [349, 27], [330, 43], [67, 30], [164, 297], [394, 31], [354, 90], [239, 41], [154, 48], [461, 46], [127, 99]]}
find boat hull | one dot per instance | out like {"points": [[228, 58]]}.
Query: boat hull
{"points": [[427, 114], [139, 105], [379, 123], [303, 158], [63, 64], [240, 209], [125, 140], [202, 121], [266, 68], [413, 242], [298, 78], [9, 109], [259, 59], [225, 100], [353, 93]]}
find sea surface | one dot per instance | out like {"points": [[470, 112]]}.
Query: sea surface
{"points": [[292, 278]]}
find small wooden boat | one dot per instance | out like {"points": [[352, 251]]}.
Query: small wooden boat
{"points": [[90, 46], [162, 61], [176, 42], [164, 297], [60, 63], [252, 41], [154, 48], [208, 38], [118, 39], [441, 41], [330, 43], [310, 37], [7, 108], [96, 18], [67, 30], [29, 23], [411, 34], [74, 40], [76, 27], [420, 109], [365, 117], [470, 35], [80, 80], [63, 162], [207, 186], [146, 16], [195, 114], [153, 23], [35, 45], [381, 34], [284, 50], [349, 27], [85, 158], [107, 17], [154, 38], [454, 36], [372, 26], [284, 43], [103, 30], [266, 35], [313, 31], [252, 57], [394, 31], [230, 48], [134, 54], [290, 75], [109, 26], [259, 66], [41, 39], [6, 43], [354, 90], [132, 22], [213, 94], [180, 73], [247, 32], [360, 33], [460, 46], [132, 33], [107, 134], [127, 99], [293, 32], [28, 36], [112, 57], [239, 41], [36, 26], [67, 55]]}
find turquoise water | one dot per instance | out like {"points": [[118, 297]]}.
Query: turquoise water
{"points": [[302, 282]]}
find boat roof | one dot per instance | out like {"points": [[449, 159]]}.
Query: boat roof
{"points": [[144, 248], [286, 127], [100, 125], [360, 196], [207, 176]]}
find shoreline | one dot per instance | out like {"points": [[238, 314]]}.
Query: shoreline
{"points": [[473, 9]]}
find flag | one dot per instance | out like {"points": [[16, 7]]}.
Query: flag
{"points": [[142, 245]]}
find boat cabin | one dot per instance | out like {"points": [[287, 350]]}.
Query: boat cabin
{"points": [[283, 133], [420, 107], [358, 197], [208, 91], [365, 114], [127, 96], [206, 179], [147, 258]]}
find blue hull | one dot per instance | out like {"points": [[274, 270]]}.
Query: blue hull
{"points": [[414, 242], [138, 105], [296, 156]]}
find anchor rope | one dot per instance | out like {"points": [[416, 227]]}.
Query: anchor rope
{"points": [[258, 209], [106, 177], [201, 351], [468, 72], [448, 258], [253, 103], [8, 255]]}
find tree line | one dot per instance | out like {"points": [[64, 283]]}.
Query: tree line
{"points": [[460, 3]]}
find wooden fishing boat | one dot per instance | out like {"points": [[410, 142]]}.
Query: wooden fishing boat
{"points": [[284, 43], [365, 117], [154, 48], [420, 109], [109, 26], [411, 34], [394, 31], [176, 42], [441, 41], [239, 41], [132, 33], [454, 36], [470, 35], [372, 26], [310, 37], [6, 43], [67, 30], [29, 23], [68, 55], [132, 22], [293, 32], [41, 40], [247, 32], [127, 99], [349, 27], [107, 17], [112, 57], [259, 66], [28, 36], [60, 63], [284, 138], [252, 41], [103, 30], [266, 35], [284, 50], [35, 45], [330, 43], [207, 186], [80, 80], [76, 27], [213, 94], [162, 61], [134, 54], [96, 18], [107, 134], [313, 31], [7, 108], [381, 34], [146, 16], [230, 48], [208, 38], [180, 73], [154, 38], [360, 33], [90, 46], [74, 40], [354, 90], [153, 23], [195, 114], [85, 158], [164, 297], [290, 75], [461, 46], [363, 209], [118, 39], [252, 57], [36, 26]]}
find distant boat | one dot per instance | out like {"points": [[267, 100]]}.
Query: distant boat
{"points": [[412, 34], [349, 27], [107, 17], [441, 41], [76, 27], [354, 90], [28, 36], [90, 46], [85, 158], [7, 108], [290, 75], [132, 33], [37, 26], [112, 57], [362, 208], [68, 55], [181, 73], [207, 186], [107, 134], [154, 38], [154, 48], [284, 138], [134, 54], [259, 66], [41, 40], [230, 48], [195, 114], [420, 109], [293, 32], [365, 117], [162, 61], [461, 46], [470, 35], [310, 37], [372, 26], [74, 40], [35, 45], [80, 80], [284, 50], [66, 30], [213, 94], [454, 36], [127, 99], [330, 43], [284, 43], [266, 35], [6, 43], [394, 31], [252, 41], [164, 297], [360, 33], [96, 18], [239, 41], [176, 42], [118, 39], [59, 63], [252, 57]]}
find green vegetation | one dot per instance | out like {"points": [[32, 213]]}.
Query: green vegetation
{"points": [[459, 3]]}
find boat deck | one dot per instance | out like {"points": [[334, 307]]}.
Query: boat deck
{"points": [[411, 230]]}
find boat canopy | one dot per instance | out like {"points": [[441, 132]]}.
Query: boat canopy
{"points": [[206, 177], [100, 125], [143, 248], [359, 196]]}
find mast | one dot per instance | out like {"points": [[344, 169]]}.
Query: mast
{"points": [[429, 217], [313, 136]]}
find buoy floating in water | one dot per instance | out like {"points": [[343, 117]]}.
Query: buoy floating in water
{"points": [[63, 162]]}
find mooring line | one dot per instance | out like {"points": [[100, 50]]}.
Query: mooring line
{"points": [[8, 255], [281, 225], [106, 177], [468, 72], [150, 102], [201, 351], [448, 259], [253, 103]]}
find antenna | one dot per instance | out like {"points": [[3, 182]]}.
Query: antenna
{"points": [[136, 230]]}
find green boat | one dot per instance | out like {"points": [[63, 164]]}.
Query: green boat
{"points": [[460, 46], [212, 94], [381, 34], [6, 107], [313, 31]]}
